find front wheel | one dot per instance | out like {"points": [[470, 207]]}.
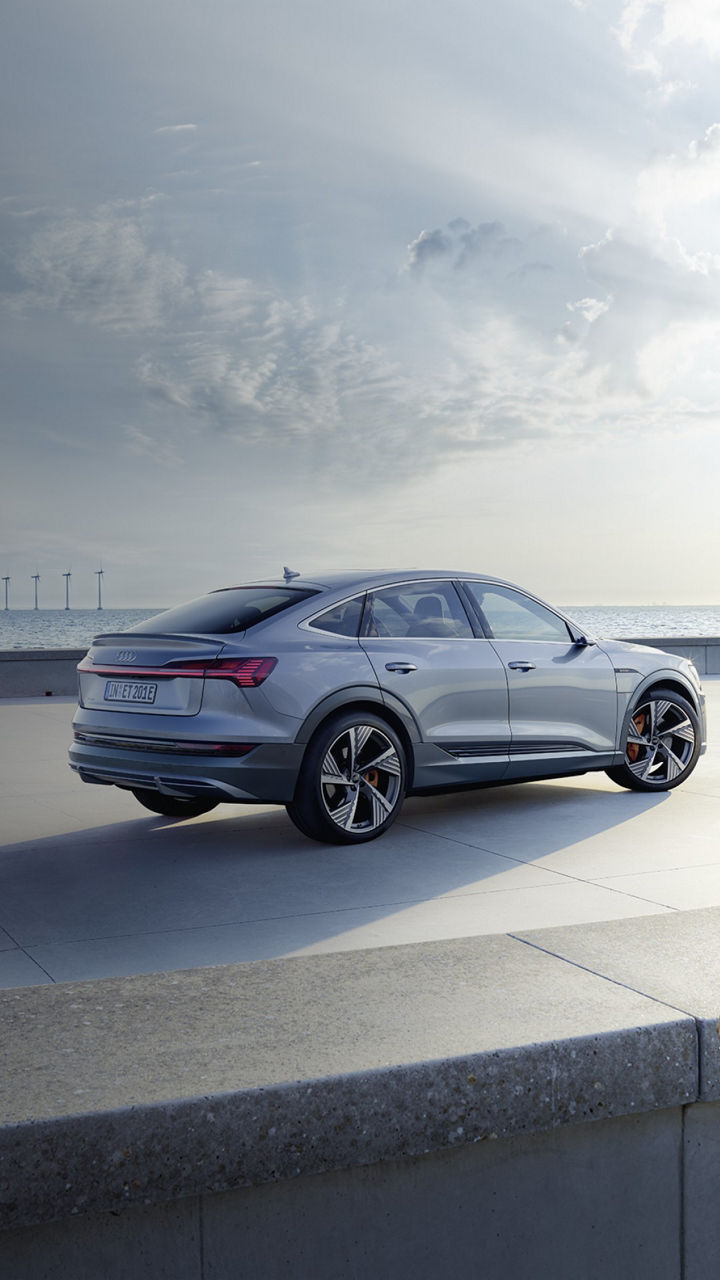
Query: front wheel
{"points": [[172, 806], [352, 781], [662, 743]]}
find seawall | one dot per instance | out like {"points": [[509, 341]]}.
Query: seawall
{"points": [[37, 673]]}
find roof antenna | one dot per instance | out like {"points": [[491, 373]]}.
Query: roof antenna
{"points": [[289, 574]]}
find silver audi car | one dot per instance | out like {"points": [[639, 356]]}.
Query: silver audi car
{"points": [[339, 694]]}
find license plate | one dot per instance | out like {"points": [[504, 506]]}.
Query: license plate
{"points": [[129, 691]]}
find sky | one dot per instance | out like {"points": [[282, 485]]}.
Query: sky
{"points": [[330, 285]]}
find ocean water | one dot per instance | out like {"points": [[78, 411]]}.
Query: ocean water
{"points": [[75, 628], [63, 628], [624, 622]]}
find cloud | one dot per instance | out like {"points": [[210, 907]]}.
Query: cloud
{"points": [[485, 339], [101, 270], [141, 444], [460, 245], [675, 181], [584, 313], [648, 286], [262, 368], [652, 32], [428, 246], [432, 363], [691, 22], [176, 128], [25, 210]]}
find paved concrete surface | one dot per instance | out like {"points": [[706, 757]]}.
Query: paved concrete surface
{"points": [[92, 886], [244, 1028]]}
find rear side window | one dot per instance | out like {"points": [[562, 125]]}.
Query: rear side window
{"points": [[342, 620], [424, 609], [224, 612]]}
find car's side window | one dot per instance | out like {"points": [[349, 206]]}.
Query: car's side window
{"points": [[512, 616], [423, 609], [342, 620]]}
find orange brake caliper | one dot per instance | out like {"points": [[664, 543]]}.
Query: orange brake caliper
{"points": [[372, 777], [633, 748]]}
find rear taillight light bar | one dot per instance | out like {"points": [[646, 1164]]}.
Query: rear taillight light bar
{"points": [[247, 673]]}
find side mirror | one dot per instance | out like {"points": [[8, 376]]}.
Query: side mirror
{"points": [[583, 642]]}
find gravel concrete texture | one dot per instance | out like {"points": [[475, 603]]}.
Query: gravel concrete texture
{"points": [[148, 1088], [673, 958], [156, 1242], [93, 886], [610, 1207], [702, 1190]]}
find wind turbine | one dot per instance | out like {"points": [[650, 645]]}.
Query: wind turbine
{"points": [[99, 576], [6, 580], [36, 578], [67, 576]]}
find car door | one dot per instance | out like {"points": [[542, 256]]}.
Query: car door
{"points": [[562, 694], [426, 652]]}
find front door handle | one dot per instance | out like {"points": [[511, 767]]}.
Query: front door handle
{"points": [[521, 666], [401, 667]]}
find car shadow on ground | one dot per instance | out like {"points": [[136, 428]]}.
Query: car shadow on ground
{"points": [[152, 893]]}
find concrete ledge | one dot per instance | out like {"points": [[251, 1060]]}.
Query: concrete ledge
{"points": [[672, 958], [35, 673], [704, 651], [148, 1089]]}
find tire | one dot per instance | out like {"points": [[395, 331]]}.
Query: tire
{"points": [[662, 743], [172, 806], [352, 781]]}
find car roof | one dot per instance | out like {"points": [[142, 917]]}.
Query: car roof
{"points": [[355, 579]]}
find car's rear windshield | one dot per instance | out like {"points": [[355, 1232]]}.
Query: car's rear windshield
{"points": [[224, 612]]}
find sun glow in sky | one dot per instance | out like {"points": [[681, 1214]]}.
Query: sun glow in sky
{"points": [[338, 285]]}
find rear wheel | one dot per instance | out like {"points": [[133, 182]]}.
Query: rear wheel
{"points": [[662, 743], [172, 806], [352, 781]]}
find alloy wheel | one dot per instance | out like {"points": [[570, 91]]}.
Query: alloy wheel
{"points": [[661, 742], [361, 779]]}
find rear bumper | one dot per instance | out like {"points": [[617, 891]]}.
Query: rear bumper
{"points": [[268, 774]]}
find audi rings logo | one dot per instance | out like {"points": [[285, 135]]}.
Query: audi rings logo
{"points": [[125, 655]]}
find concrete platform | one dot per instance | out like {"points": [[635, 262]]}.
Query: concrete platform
{"points": [[369, 1115], [91, 886], [547, 1101], [148, 1089]]}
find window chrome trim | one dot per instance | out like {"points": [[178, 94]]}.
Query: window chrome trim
{"points": [[466, 601], [526, 595], [453, 582], [305, 625], [405, 582]]}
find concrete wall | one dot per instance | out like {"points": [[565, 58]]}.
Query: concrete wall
{"points": [[38, 673], [704, 651], [631, 1197], [35, 673]]}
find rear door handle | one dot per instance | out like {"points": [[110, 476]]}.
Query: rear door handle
{"points": [[521, 666], [401, 667]]}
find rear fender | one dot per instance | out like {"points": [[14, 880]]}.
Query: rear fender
{"points": [[354, 695]]}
